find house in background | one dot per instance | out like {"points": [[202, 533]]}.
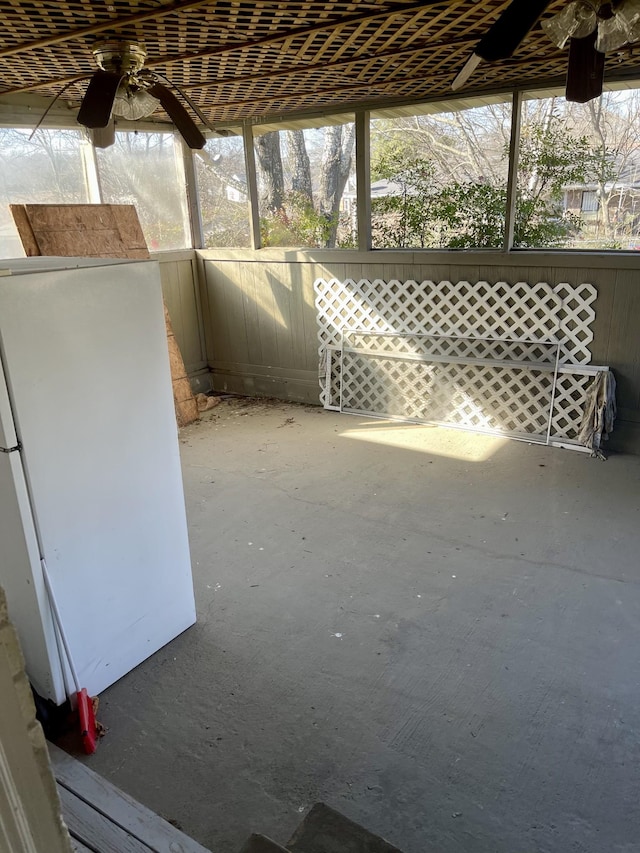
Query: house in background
{"points": [[610, 211]]}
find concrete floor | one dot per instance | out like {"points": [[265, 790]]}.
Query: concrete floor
{"points": [[435, 633]]}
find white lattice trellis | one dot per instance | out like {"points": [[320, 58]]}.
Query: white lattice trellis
{"points": [[492, 357], [463, 309]]}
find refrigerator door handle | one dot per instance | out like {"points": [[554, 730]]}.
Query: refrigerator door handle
{"points": [[15, 449]]}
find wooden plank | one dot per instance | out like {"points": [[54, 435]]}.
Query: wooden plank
{"points": [[219, 336], [190, 340], [624, 342], [235, 312], [198, 281], [251, 316], [204, 308], [605, 282], [93, 829], [279, 280], [265, 306], [299, 343], [79, 847], [122, 810], [308, 275]]}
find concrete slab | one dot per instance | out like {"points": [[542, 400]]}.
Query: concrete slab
{"points": [[433, 632]]}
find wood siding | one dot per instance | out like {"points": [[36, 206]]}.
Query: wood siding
{"points": [[179, 276], [260, 319]]}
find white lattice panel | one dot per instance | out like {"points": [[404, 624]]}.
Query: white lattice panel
{"points": [[568, 408], [518, 312]]}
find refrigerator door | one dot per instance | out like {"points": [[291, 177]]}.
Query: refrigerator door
{"points": [[21, 579], [20, 574], [87, 370], [8, 437]]}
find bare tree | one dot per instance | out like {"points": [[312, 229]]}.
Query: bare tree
{"points": [[300, 165], [269, 162], [337, 155]]}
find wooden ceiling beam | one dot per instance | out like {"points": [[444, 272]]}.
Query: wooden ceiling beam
{"points": [[340, 63], [94, 29], [444, 63], [391, 11]]}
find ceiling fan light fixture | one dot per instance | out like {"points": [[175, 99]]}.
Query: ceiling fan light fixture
{"points": [[578, 20], [133, 104], [628, 12], [612, 34]]}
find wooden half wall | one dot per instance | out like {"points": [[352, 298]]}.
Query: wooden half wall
{"points": [[260, 321], [181, 291]]}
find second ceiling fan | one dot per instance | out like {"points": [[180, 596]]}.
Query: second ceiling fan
{"points": [[590, 28]]}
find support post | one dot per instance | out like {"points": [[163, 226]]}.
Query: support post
{"points": [[363, 179], [512, 182], [91, 173], [252, 186]]}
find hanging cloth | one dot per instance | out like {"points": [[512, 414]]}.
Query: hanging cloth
{"points": [[599, 413]]}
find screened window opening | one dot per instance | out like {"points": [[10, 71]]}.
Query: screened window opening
{"points": [[579, 173], [223, 194], [439, 180], [49, 169], [306, 187], [146, 169]]}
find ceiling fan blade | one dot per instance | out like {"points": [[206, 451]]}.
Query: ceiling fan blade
{"points": [[103, 137], [506, 35], [95, 109], [178, 115], [585, 72], [503, 37]]}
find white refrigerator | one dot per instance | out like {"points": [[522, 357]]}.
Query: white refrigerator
{"points": [[90, 477]]}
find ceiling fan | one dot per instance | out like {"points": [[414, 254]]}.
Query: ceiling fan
{"points": [[123, 87], [591, 27]]}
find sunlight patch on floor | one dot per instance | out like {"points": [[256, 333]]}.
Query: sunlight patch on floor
{"points": [[440, 441]]}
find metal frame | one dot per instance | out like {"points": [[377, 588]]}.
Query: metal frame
{"points": [[554, 367]]}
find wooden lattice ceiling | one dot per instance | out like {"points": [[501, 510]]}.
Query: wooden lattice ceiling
{"points": [[270, 58]]}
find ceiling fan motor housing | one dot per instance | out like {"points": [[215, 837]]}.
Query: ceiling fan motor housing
{"points": [[120, 57]]}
